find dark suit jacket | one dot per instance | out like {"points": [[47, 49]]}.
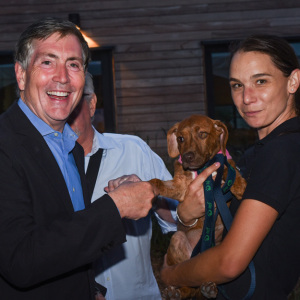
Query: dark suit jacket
{"points": [[46, 248]]}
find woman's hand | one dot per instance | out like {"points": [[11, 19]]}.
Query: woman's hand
{"points": [[114, 183], [193, 206]]}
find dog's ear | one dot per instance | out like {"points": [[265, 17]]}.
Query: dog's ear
{"points": [[223, 131], [172, 141]]}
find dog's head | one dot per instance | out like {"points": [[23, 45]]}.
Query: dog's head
{"points": [[197, 139]]}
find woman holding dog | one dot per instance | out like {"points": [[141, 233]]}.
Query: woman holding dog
{"points": [[264, 80]]}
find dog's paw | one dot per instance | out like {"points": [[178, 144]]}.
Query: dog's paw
{"points": [[209, 290], [170, 293]]}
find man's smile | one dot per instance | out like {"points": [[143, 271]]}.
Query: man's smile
{"points": [[57, 95]]}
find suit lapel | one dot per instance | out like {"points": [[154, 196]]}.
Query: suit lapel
{"points": [[36, 147]]}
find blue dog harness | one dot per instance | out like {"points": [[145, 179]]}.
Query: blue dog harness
{"points": [[213, 192]]}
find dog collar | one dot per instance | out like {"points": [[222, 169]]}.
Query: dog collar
{"points": [[195, 173]]}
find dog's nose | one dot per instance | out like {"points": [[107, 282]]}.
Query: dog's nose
{"points": [[188, 157]]}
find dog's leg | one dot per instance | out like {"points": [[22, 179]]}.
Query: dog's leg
{"points": [[170, 188], [207, 290], [179, 250], [175, 188]]}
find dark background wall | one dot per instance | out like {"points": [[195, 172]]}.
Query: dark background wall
{"points": [[158, 57]]}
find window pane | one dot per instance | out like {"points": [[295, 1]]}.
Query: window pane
{"points": [[241, 136], [7, 86], [296, 46], [95, 68]]}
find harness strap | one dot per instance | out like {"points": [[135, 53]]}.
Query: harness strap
{"points": [[214, 193]]}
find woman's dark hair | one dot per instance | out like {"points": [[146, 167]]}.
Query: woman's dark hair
{"points": [[280, 51]]}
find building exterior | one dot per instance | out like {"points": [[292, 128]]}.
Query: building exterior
{"points": [[160, 52]]}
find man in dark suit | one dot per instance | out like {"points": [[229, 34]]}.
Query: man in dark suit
{"points": [[49, 231]]}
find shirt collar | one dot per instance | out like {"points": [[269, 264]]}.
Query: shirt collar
{"points": [[39, 124], [101, 141], [288, 126], [43, 128]]}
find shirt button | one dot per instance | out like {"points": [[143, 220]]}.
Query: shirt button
{"points": [[108, 279], [73, 189], [56, 134]]}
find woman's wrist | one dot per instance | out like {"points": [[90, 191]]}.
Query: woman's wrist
{"points": [[186, 223]]}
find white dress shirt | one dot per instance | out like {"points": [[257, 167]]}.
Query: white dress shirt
{"points": [[126, 270]]}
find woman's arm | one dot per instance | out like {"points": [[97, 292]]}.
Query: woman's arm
{"points": [[224, 262]]}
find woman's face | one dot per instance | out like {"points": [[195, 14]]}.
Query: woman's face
{"points": [[263, 96]]}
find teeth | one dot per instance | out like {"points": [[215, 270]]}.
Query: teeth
{"points": [[59, 94]]}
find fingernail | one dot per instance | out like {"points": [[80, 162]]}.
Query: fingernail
{"points": [[217, 164]]}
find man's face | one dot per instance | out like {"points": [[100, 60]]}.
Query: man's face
{"points": [[81, 123], [80, 119], [52, 84]]}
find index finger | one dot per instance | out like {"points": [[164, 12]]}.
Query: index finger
{"points": [[206, 172]]}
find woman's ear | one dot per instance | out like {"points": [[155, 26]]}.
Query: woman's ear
{"points": [[20, 76], [92, 105], [294, 81]]}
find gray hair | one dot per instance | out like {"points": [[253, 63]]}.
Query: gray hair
{"points": [[43, 29], [88, 90]]}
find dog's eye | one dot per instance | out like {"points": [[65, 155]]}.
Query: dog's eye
{"points": [[180, 139], [203, 135]]}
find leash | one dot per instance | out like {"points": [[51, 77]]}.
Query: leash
{"points": [[213, 192]]}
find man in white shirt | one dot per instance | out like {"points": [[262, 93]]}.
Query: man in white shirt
{"points": [[126, 270]]}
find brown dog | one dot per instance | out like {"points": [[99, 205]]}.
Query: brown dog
{"points": [[196, 139]]}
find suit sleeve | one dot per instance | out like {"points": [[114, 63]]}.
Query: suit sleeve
{"points": [[40, 238]]}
